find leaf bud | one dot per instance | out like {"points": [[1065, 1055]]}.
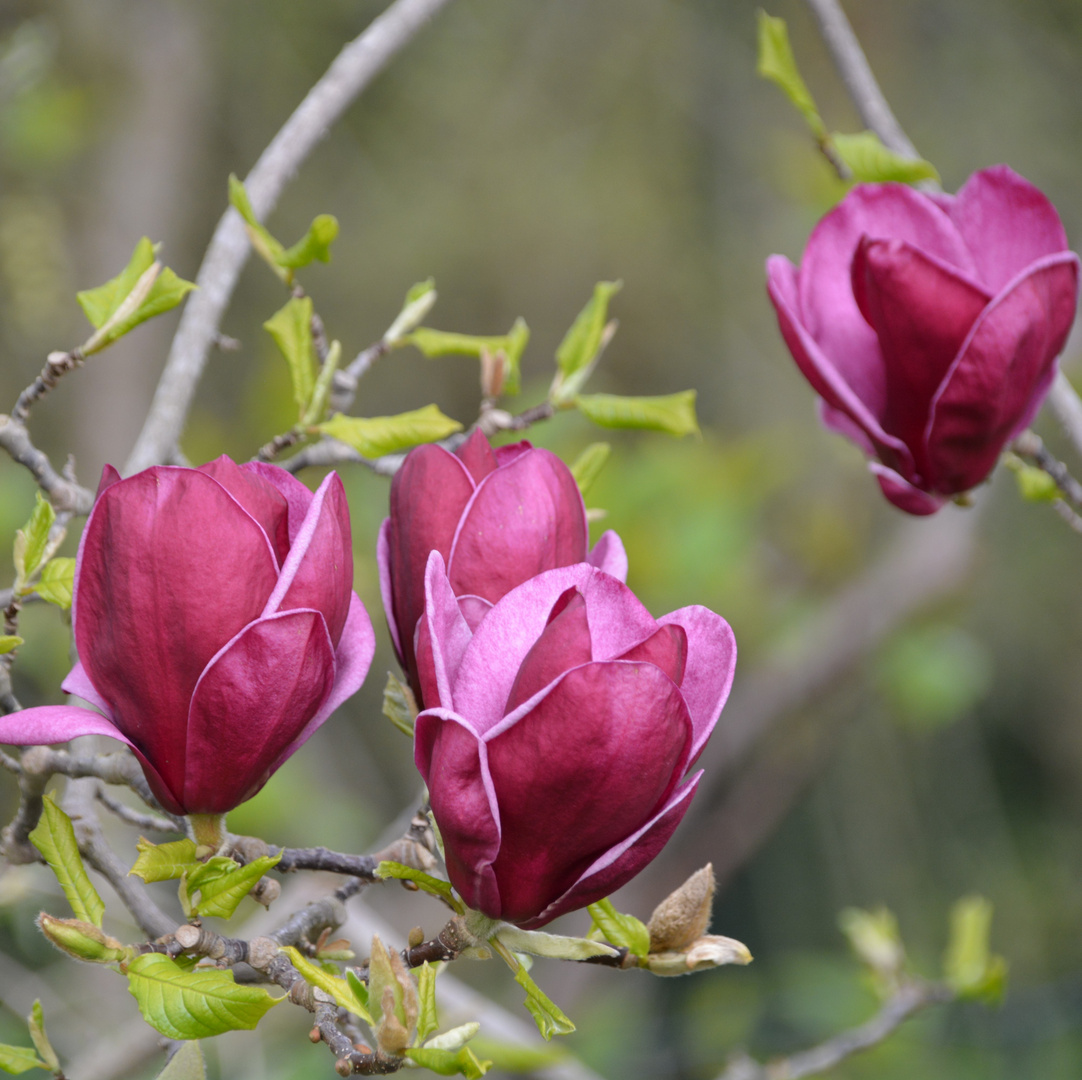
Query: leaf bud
{"points": [[393, 1000], [684, 915], [83, 940], [707, 952]]}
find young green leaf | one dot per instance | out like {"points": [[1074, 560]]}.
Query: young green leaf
{"points": [[375, 436], [588, 465], [36, 1022], [186, 1064], [547, 1015], [583, 340], [360, 990], [54, 837], [776, 62], [434, 343], [8, 642], [398, 704], [969, 966], [871, 162], [317, 406], [164, 862], [555, 946], [291, 328], [267, 247], [100, 303], [427, 1019], [32, 539], [315, 244], [1035, 485], [194, 1004], [462, 1062], [672, 413], [57, 582], [426, 882], [415, 307], [217, 886], [517, 1058], [620, 929], [83, 940], [19, 1059], [340, 989]]}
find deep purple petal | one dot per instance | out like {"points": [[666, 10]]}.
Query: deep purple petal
{"points": [[608, 554], [591, 762], [506, 454], [666, 648], [624, 860], [258, 496], [452, 762], [254, 699], [296, 494], [998, 372], [903, 494], [477, 455], [383, 564]]}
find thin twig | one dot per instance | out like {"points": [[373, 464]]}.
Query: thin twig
{"points": [[63, 493], [138, 818], [1066, 406], [352, 70], [1030, 446]]}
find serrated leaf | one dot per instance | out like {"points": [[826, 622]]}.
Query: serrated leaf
{"points": [[620, 929], [315, 244], [36, 1022], [222, 887], [435, 343], [671, 413], [423, 881], [969, 966], [548, 1016], [186, 1064], [291, 328], [777, 63], [427, 1019], [588, 465], [583, 340], [32, 539], [19, 1059], [340, 989], [449, 1062], [375, 436], [54, 837], [399, 705], [8, 642], [57, 582], [163, 862], [871, 162], [194, 1004]]}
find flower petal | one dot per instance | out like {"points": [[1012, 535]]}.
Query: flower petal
{"points": [[998, 371], [594, 759], [477, 455], [666, 649], [473, 609], [442, 639], [624, 860], [253, 700], [296, 494], [78, 683], [608, 554], [903, 494], [524, 518], [463, 802], [258, 496], [383, 564]]}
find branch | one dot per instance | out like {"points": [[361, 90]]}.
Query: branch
{"points": [[910, 998], [350, 73], [1030, 446], [1066, 407], [64, 494]]}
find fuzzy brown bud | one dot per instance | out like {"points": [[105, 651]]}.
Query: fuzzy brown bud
{"points": [[684, 915]]}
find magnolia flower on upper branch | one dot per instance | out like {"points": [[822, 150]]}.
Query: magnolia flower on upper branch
{"points": [[216, 625], [929, 325]]}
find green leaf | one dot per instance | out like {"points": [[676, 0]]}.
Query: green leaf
{"points": [[57, 582], [315, 244], [186, 1064], [871, 162], [36, 1022], [1035, 485], [8, 642], [969, 966], [32, 539], [194, 1004], [103, 305], [426, 882], [317, 406], [555, 946], [375, 436], [547, 1015], [340, 989], [360, 991], [54, 837], [83, 940], [620, 929], [777, 63], [18, 1059], [268, 248], [427, 1019], [434, 343], [672, 413], [221, 884], [449, 1062], [291, 328], [398, 704], [415, 307], [588, 465], [582, 342], [163, 862], [874, 937], [512, 1057]]}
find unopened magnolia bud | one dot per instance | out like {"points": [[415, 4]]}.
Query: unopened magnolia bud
{"points": [[684, 915], [416, 936], [83, 940], [707, 952], [392, 996]]}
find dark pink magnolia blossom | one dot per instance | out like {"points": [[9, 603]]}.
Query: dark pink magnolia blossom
{"points": [[498, 517], [216, 625], [556, 751], [930, 324]]}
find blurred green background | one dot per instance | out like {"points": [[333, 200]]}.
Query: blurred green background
{"points": [[518, 151]]}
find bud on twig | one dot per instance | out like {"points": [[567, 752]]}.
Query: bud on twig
{"points": [[83, 940], [683, 915], [393, 1000]]}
